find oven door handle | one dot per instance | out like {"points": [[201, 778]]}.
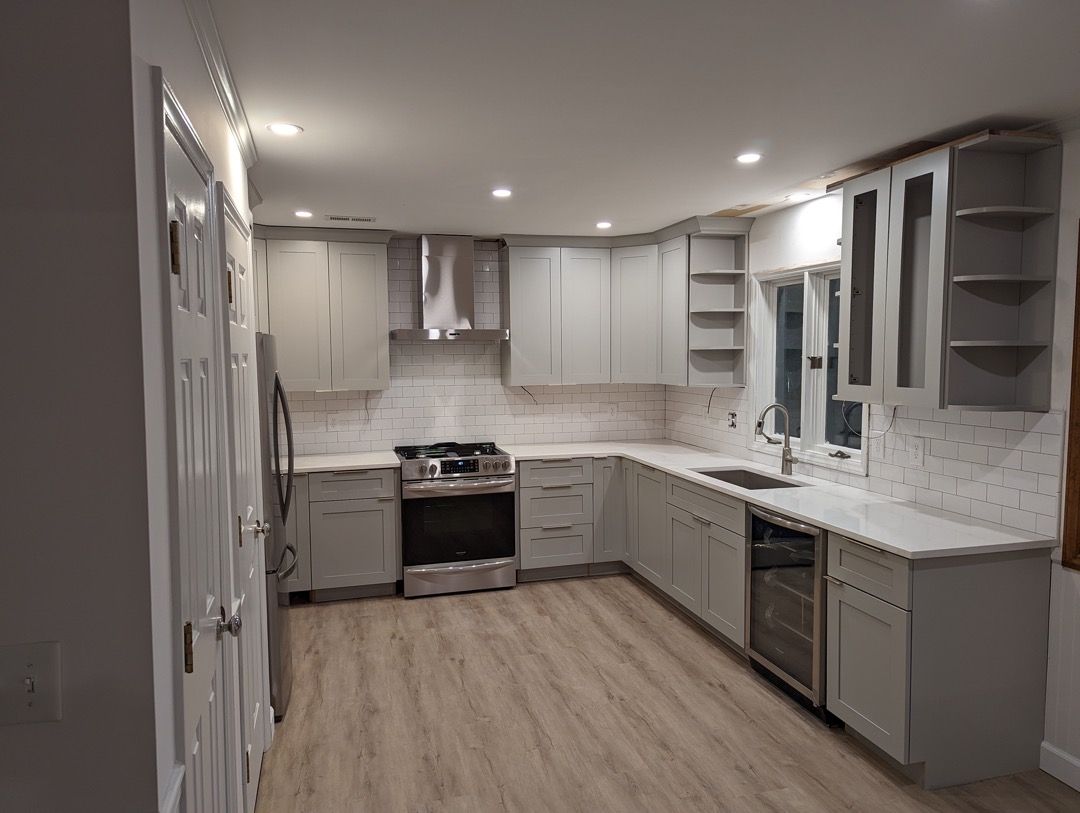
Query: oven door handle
{"points": [[477, 568], [784, 522], [487, 485]]}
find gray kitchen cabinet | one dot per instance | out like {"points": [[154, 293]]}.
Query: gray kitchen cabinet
{"points": [[683, 540], [610, 538], [298, 534], [555, 471], [556, 546], [359, 317], [863, 269], [556, 505], [353, 542], [723, 582], [532, 305], [328, 307], [635, 315], [674, 258], [651, 553], [630, 492], [585, 292], [298, 287], [262, 296], [867, 662]]}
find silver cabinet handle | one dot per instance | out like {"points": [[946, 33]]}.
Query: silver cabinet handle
{"points": [[784, 522], [555, 527], [702, 521], [862, 544], [833, 580], [557, 485], [556, 459]]}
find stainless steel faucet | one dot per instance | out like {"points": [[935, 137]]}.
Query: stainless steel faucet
{"points": [[786, 458]]}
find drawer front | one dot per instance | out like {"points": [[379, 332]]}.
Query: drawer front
{"points": [[702, 502], [554, 547], [874, 571], [555, 471], [556, 505], [361, 484]]}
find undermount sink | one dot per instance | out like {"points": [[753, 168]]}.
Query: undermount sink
{"points": [[745, 478]]}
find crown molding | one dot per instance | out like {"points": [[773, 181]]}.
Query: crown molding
{"points": [[213, 51]]}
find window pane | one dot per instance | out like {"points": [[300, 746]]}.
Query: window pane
{"points": [[843, 419], [789, 356]]}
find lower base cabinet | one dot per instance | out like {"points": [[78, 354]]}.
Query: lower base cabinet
{"points": [[651, 552], [684, 542], [609, 511], [353, 542], [723, 582], [298, 534], [557, 546]]}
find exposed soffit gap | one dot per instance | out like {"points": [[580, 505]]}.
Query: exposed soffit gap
{"points": [[213, 51]]}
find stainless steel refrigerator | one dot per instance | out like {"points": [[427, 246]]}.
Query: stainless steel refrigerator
{"points": [[277, 486]]}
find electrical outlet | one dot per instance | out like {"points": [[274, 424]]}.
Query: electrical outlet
{"points": [[336, 423], [30, 683], [733, 420], [916, 447], [611, 410]]}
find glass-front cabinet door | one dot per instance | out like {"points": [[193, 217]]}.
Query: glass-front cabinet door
{"points": [[863, 268], [915, 287]]}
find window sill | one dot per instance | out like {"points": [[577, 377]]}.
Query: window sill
{"points": [[856, 464]]}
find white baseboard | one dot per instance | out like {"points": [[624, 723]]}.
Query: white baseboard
{"points": [[1060, 764], [170, 799]]}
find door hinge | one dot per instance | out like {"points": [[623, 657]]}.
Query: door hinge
{"points": [[815, 362], [239, 530], [174, 246], [247, 767], [229, 281], [189, 651]]}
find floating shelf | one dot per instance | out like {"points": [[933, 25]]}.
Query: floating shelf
{"points": [[714, 349], [718, 310], [718, 272], [996, 343], [1004, 215], [963, 279]]}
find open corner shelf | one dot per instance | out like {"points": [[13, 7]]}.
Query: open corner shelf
{"points": [[717, 348], [1019, 279], [1004, 215], [1007, 343], [718, 272], [707, 311]]}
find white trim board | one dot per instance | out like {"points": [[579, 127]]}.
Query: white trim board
{"points": [[1060, 764]]}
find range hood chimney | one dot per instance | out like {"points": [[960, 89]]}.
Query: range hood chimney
{"points": [[446, 288]]}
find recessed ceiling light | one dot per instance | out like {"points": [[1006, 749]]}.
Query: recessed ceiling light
{"points": [[501, 193], [283, 128], [302, 213], [749, 158], [603, 224], [798, 197]]}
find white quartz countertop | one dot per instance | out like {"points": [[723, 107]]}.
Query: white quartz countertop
{"points": [[893, 525]]}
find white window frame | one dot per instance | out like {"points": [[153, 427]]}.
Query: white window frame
{"points": [[811, 447]]}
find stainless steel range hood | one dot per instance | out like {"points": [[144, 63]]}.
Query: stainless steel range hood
{"points": [[446, 288]]}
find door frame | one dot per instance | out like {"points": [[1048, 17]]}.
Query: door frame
{"points": [[171, 117]]}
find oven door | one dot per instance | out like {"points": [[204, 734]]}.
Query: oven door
{"points": [[457, 521]]}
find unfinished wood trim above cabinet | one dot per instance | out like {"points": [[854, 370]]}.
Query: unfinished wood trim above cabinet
{"points": [[322, 235]]}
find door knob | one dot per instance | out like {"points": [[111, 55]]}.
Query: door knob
{"points": [[231, 625], [262, 528]]}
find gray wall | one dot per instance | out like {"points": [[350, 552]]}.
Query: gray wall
{"points": [[74, 476]]}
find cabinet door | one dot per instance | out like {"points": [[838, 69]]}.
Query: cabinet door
{"points": [[863, 267], [683, 541], [535, 345], [609, 512], [723, 583], [915, 289], [298, 534], [359, 317], [586, 315], [353, 542], [298, 286], [868, 666], [630, 491], [653, 556], [674, 276], [635, 315], [262, 297]]}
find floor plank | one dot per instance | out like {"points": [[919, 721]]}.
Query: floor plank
{"points": [[586, 694]]}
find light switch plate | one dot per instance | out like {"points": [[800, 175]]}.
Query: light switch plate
{"points": [[30, 683]]}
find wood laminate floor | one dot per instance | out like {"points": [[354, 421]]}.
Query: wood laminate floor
{"points": [[586, 695]]}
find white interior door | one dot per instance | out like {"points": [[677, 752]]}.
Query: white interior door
{"points": [[201, 483], [249, 583]]}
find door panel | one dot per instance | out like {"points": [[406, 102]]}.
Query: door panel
{"points": [[353, 542], [674, 319], [684, 549], [535, 346], [298, 284], [723, 591], [635, 315], [610, 542], [359, 308], [586, 315], [653, 559]]}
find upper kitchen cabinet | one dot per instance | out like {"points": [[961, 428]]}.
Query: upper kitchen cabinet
{"points": [[635, 315], [717, 310], [532, 309], [674, 255], [947, 276], [328, 306], [586, 315]]}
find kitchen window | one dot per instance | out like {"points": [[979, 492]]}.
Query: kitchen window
{"points": [[798, 368]]}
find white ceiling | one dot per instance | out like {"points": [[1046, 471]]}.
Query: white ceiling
{"points": [[628, 111]]}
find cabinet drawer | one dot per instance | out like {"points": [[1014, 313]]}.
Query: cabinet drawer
{"points": [[554, 547], [556, 505], [874, 571], [555, 471], [361, 484], [707, 504]]}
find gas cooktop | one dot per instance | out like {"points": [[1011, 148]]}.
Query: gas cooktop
{"points": [[439, 461]]}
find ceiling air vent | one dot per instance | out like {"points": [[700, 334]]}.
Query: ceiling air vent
{"points": [[349, 219]]}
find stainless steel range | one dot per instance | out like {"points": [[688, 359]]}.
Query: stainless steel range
{"points": [[457, 518]]}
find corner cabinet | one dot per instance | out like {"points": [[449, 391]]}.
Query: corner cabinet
{"points": [[948, 265], [586, 315], [328, 306], [635, 315]]}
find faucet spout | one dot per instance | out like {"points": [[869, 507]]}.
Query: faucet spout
{"points": [[786, 458]]}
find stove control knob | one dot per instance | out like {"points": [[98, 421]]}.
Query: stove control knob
{"points": [[505, 465], [433, 470], [487, 465]]}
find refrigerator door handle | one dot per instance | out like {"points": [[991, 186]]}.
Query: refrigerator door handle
{"points": [[284, 494], [282, 571]]}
